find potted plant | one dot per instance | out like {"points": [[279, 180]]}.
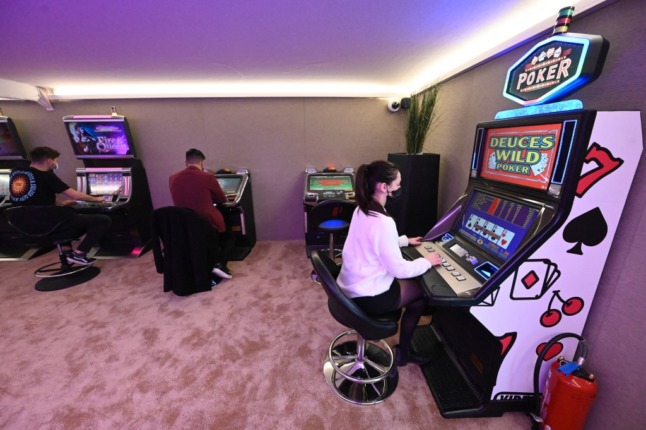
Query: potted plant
{"points": [[416, 211], [421, 116]]}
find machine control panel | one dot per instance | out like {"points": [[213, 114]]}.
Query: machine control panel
{"points": [[461, 281]]}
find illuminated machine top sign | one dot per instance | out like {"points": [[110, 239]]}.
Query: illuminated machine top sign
{"points": [[557, 66]]}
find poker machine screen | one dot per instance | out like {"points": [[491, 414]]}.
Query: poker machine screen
{"points": [[229, 184], [103, 184], [10, 144], [330, 183], [528, 155], [495, 224], [523, 155]]}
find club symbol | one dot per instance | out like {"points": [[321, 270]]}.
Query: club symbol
{"points": [[569, 307]]}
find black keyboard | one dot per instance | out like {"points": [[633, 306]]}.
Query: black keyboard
{"points": [[94, 206]]}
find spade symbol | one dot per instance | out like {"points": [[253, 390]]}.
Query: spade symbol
{"points": [[589, 229]]}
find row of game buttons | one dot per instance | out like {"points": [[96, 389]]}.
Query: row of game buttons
{"points": [[448, 265]]}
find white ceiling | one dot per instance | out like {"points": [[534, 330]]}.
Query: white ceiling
{"points": [[215, 48]]}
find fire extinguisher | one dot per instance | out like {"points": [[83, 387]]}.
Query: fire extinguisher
{"points": [[569, 391]]}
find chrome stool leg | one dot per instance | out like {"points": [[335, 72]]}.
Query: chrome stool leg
{"points": [[360, 371]]}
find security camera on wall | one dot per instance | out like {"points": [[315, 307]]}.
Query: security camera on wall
{"points": [[394, 105]]}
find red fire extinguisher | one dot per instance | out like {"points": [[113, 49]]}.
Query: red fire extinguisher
{"points": [[569, 391]]}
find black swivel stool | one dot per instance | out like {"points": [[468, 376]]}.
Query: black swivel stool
{"points": [[42, 222], [332, 217], [360, 366]]}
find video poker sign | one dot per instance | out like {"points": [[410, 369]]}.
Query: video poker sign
{"points": [[556, 67], [523, 155]]}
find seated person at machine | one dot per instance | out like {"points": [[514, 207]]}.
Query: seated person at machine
{"points": [[38, 185], [195, 189], [374, 273]]}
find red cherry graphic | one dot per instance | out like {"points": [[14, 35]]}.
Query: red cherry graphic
{"points": [[572, 306], [554, 350], [550, 318]]}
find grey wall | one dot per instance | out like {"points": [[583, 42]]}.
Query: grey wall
{"points": [[277, 138]]}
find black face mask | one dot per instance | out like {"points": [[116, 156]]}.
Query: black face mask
{"points": [[394, 195]]}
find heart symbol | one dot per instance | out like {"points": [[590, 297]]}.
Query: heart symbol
{"points": [[504, 241], [554, 350]]}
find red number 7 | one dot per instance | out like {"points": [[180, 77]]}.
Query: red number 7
{"points": [[606, 164]]}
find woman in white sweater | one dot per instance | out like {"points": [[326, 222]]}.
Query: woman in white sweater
{"points": [[374, 273]]}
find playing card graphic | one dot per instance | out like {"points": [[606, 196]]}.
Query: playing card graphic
{"points": [[505, 238], [492, 161], [533, 279], [540, 167], [472, 222]]}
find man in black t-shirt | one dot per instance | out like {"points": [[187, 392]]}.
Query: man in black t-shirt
{"points": [[37, 185]]}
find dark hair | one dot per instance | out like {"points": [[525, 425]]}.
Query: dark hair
{"points": [[368, 176], [193, 155], [43, 153]]}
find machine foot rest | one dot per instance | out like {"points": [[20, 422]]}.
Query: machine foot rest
{"points": [[451, 390]]}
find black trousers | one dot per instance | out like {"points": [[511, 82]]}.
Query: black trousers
{"points": [[94, 226], [226, 242]]}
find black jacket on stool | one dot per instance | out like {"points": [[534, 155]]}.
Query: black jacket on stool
{"points": [[185, 248]]}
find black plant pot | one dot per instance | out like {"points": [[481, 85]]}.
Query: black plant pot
{"points": [[415, 212]]}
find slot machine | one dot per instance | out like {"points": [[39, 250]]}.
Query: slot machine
{"points": [[524, 247], [105, 145], [238, 210], [12, 154], [320, 186]]}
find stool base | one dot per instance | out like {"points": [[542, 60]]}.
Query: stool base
{"points": [[70, 280], [362, 376]]}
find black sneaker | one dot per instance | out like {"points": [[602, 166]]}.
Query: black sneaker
{"points": [[82, 260], [222, 271], [215, 279]]}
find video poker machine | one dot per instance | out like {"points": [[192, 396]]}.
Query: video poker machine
{"points": [[238, 210], [320, 186], [105, 145], [524, 247]]}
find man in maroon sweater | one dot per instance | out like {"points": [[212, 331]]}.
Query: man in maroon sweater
{"points": [[195, 189]]}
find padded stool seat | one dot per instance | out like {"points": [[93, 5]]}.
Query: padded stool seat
{"points": [[332, 217], [360, 365], [42, 222]]}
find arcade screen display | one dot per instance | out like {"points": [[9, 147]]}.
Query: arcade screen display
{"points": [[99, 138], [103, 184], [523, 155], [330, 183], [10, 145], [230, 184], [495, 224]]}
